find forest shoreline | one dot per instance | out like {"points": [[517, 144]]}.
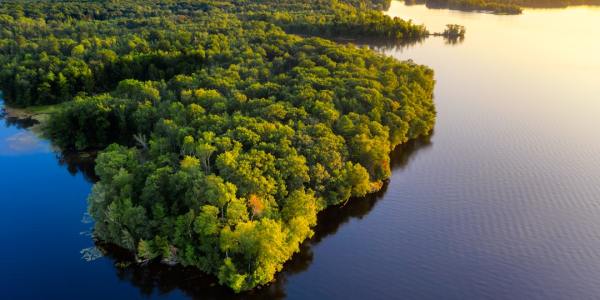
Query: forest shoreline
{"points": [[32, 118]]}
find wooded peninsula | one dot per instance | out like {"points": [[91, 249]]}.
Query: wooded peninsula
{"points": [[223, 133]]}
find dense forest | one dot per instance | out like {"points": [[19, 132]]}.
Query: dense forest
{"points": [[52, 52], [223, 134], [501, 6]]}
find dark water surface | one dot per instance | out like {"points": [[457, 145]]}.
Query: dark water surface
{"points": [[502, 202]]}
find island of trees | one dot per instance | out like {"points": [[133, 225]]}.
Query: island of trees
{"points": [[223, 135]]}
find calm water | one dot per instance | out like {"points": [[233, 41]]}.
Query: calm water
{"points": [[502, 202]]}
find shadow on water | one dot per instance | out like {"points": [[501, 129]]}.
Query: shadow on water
{"points": [[76, 162], [382, 43], [156, 278], [387, 45], [20, 123], [453, 40]]}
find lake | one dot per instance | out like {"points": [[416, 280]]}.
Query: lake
{"points": [[502, 201]]}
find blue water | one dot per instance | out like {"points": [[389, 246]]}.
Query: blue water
{"points": [[502, 202], [42, 226]]}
